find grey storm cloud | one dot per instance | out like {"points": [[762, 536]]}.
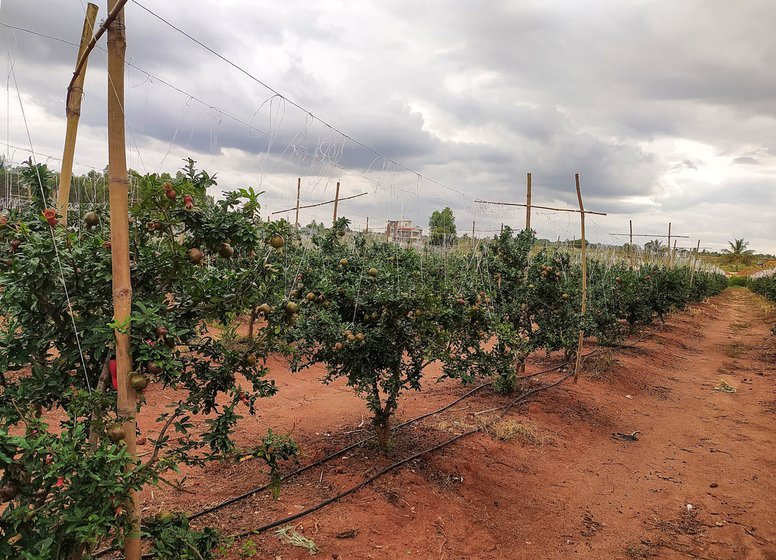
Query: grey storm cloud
{"points": [[660, 106]]}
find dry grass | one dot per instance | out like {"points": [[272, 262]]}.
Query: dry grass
{"points": [[728, 368], [741, 325], [289, 535], [520, 430], [769, 355], [501, 429], [459, 426], [599, 366], [735, 349], [765, 308], [687, 524], [639, 550]]}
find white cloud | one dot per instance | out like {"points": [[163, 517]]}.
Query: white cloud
{"points": [[664, 108]]}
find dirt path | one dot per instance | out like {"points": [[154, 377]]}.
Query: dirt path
{"points": [[697, 483]]}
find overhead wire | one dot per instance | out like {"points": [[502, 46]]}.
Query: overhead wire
{"points": [[323, 156], [297, 105], [53, 237]]}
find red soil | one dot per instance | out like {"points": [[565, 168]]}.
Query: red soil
{"points": [[698, 483]]}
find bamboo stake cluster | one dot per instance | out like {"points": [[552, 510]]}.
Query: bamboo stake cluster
{"points": [[75, 93]]}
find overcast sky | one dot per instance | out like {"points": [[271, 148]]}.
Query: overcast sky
{"points": [[665, 108]]}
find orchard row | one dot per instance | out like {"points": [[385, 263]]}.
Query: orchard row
{"points": [[764, 283], [375, 313]]}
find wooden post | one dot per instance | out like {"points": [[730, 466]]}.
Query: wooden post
{"points": [[473, 222], [298, 191], [73, 113], [502, 229], [695, 262], [119, 238], [669, 243], [367, 226], [528, 201], [630, 243], [584, 278], [336, 202]]}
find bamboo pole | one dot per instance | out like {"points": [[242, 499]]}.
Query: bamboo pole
{"points": [[584, 278], [75, 93], [630, 242], [119, 237], [298, 193], [669, 243], [528, 201], [367, 225], [473, 223], [501, 230], [113, 13], [336, 203]]}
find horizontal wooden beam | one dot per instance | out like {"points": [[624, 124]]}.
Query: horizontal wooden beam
{"points": [[320, 203], [649, 235], [542, 207]]}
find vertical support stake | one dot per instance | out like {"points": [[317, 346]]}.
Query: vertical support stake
{"points": [[528, 201], [118, 180], [336, 203], [75, 94], [298, 191], [580, 343]]}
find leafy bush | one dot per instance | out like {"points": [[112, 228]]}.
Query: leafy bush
{"points": [[764, 283], [367, 316], [193, 262]]}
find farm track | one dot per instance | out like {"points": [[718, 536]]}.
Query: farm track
{"points": [[566, 487]]}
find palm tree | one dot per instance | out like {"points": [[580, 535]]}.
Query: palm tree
{"points": [[655, 246], [738, 253]]}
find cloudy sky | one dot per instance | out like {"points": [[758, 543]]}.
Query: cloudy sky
{"points": [[665, 108]]}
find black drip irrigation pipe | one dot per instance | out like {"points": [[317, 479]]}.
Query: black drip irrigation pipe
{"points": [[344, 450], [325, 459], [398, 464], [331, 456], [389, 468], [374, 477]]}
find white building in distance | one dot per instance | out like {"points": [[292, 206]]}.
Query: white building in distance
{"points": [[402, 231]]}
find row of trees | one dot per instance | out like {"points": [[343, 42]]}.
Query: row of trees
{"points": [[764, 283], [374, 313], [91, 186], [442, 231]]}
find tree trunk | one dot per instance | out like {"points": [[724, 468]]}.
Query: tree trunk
{"points": [[382, 424], [254, 314], [95, 423]]}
